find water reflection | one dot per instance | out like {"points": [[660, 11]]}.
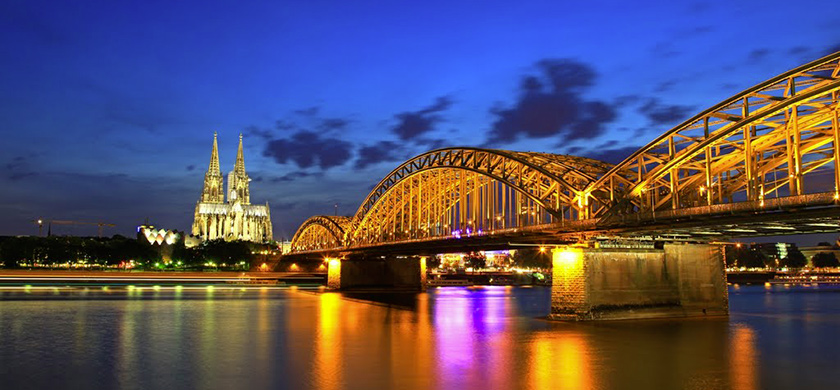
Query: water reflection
{"points": [[447, 338], [744, 358]]}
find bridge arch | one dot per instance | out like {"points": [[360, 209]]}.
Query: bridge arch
{"points": [[469, 190], [320, 232], [758, 144]]}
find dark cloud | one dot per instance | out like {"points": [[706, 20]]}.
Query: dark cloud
{"points": [[758, 55], [665, 86], [256, 131], [309, 111], [553, 105], [190, 168], [626, 100], [612, 156], [412, 124], [431, 143], [292, 176], [609, 144], [18, 168], [665, 114], [798, 50], [574, 150], [330, 124], [379, 152], [308, 149]]}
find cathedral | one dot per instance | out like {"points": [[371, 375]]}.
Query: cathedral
{"points": [[236, 219]]}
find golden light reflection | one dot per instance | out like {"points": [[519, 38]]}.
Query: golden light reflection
{"points": [[561, 360], [743, 358], [328, 365]]}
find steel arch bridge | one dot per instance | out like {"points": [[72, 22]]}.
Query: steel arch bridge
{"points": [[769, 149]]}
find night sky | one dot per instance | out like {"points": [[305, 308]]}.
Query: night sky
{"points": [[108, 108]]}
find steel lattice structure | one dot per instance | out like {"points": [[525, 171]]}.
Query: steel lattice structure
{"points": [[769, 145]]}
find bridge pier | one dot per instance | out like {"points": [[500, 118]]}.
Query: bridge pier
{"points": [[679, 280], [400, 273]]}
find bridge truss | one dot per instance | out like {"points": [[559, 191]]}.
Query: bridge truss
{"points": [[770, 146]]}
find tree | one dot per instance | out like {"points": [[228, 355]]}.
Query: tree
{"points": [[475, 260], [794, 259], [825, 259], [227, 252], [531, 258], [749, 258]]}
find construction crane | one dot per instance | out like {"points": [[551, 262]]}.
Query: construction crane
{"points": [[50, 222]]}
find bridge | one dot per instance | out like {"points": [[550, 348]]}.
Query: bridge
{"points": [[763, 162]]}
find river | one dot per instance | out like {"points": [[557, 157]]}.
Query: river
{"points": [[447, 338]]}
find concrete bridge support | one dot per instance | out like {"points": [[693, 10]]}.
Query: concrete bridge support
{"points": [[680, 280], [397, 273]]}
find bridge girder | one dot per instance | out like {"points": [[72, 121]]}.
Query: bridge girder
{"points": [[757, 144]]}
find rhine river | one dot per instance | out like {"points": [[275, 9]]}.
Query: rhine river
{"points": [[447, 338]]}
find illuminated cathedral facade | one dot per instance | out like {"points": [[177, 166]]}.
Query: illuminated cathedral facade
{"points": [[236, 218]]}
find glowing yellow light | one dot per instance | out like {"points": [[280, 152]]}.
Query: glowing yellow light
{"points": [[294, 267], [542, 249], [567, 256]]}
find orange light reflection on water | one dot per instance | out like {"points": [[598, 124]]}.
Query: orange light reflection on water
{"points": [[561, 358]]}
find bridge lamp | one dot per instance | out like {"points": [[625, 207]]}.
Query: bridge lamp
{"points": [[567, 256], [542, 249]]}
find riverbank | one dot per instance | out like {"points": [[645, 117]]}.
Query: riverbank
{"points": [[125, 278]]}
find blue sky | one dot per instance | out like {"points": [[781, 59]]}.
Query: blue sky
{"points": [[107, 109]]}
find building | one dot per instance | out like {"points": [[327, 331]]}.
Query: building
{"points": [[236, 218]]}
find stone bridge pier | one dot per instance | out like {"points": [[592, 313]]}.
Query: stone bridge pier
{"points": [[679, 280], [377, 272]]}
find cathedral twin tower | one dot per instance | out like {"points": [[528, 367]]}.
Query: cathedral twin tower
{"points": [[236, 219]]}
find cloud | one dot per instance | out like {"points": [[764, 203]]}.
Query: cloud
{"points": [[758, 55], [308, 149], [665, 114], [412, 124], [665, 86], [379, 152], [553, 105], [292, 176], [18, 168], [330, 124], [798, 50], [612, 156], [190, 168], [254, 130], [309, 111]]}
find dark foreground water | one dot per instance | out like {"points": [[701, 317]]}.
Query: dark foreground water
{"points": [[448, 338]]}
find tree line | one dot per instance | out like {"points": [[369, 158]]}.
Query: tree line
{"points": [[28, 251]]}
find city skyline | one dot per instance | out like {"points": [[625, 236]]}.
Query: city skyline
{"points": [[113, 105]]}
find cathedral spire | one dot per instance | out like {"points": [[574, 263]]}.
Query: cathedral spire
{"points": [[238, 180], [214, 168], [213, 181], [239, 167]]}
